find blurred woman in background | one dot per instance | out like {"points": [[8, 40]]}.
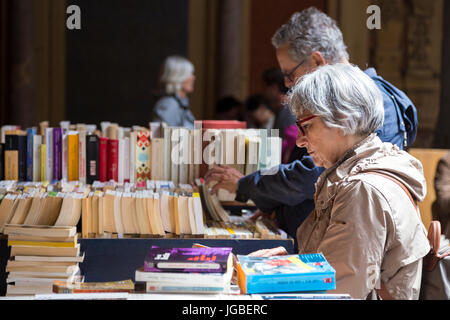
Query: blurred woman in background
{"points": [[177, 80]]}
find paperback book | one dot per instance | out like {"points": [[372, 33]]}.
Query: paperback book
{"points": [[288, 273], [217, 260]]}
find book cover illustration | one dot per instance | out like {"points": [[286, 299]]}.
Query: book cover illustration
{"points": [[188, 259], [288, 273]]}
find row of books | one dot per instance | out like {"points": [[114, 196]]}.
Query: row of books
{"points": [[136, 154], [39, 256], [161, 209], [47, 209]]}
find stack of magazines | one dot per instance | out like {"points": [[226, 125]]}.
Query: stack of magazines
{"points": [[186, 270]]}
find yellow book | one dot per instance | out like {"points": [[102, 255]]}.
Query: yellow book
{"points": [[43, 178], [73, 156], [42, 243]]}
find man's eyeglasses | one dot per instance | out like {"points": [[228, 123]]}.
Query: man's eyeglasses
{"points": [[290, 73], [299, 124]]}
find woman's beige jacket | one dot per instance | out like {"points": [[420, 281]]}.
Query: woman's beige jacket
{"points": [[366, 225]]}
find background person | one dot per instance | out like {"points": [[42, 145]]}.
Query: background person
{"points": [[178, 81]]}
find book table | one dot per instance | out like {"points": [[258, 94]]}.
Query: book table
{"points": [[118, 259]]}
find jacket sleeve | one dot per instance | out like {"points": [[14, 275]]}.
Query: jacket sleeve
{"points": [[355, 239], [290, 185]]}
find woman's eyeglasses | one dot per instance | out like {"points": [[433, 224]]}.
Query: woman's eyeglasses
{"points": [[299, 124]]}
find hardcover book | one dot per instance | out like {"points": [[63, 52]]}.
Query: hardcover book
{"points": [[113, 160], [216, 260], [288, 273], [57, 153], [103, 159], [31, 132], [92, 158]]}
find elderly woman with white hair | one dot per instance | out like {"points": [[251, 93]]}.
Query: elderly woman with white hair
{"points": [[365, 220], [178, 81]]}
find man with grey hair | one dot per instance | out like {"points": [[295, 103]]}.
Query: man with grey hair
{"points": [[308, 40]]}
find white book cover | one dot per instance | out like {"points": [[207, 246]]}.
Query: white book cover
{"points": [[184, 144], [49, 154], [121, 156], [174, 155], [37, 141], [126, 159], [198, 213], [167, 154], [132, 157]]}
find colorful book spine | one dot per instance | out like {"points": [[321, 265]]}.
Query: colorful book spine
{"points": [[73, 156], [103, 159], [49, 154], [142, 162], [43, 157], [31, 132], [57, 153], [82, 155], [113, 160], [65, 155]]}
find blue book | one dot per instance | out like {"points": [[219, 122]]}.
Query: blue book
{"points": [[289, 273], [30, 135]]}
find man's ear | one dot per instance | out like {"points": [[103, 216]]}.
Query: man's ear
{"points": [[317, 59]]}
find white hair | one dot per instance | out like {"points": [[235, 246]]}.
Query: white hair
{"points": [[176, 70], [342, 95], [308, 31]]}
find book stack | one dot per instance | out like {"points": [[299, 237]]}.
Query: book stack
{"points": [[186, 270], [40, 207], [288, 273], [40, 255]]}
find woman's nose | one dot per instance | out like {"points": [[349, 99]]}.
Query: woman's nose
{"points": [[301, 141]]}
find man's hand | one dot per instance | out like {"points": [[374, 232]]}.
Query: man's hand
{"points": [[278, 251], [259, 213], [226, 177]]}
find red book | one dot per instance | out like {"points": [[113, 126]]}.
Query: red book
{"points": [[221, 124], [103, 159], [113, 159]]}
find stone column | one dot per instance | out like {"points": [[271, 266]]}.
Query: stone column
{"points": [[229, 56]]}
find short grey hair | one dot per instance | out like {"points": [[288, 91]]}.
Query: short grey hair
{"points": [[308, 31], [342, 95], [176, 70]]}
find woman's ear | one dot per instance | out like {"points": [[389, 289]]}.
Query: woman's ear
{"points": [[317, 59]]}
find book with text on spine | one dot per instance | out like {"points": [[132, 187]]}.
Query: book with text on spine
{"points": [[188, 260], [288, 273]]}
